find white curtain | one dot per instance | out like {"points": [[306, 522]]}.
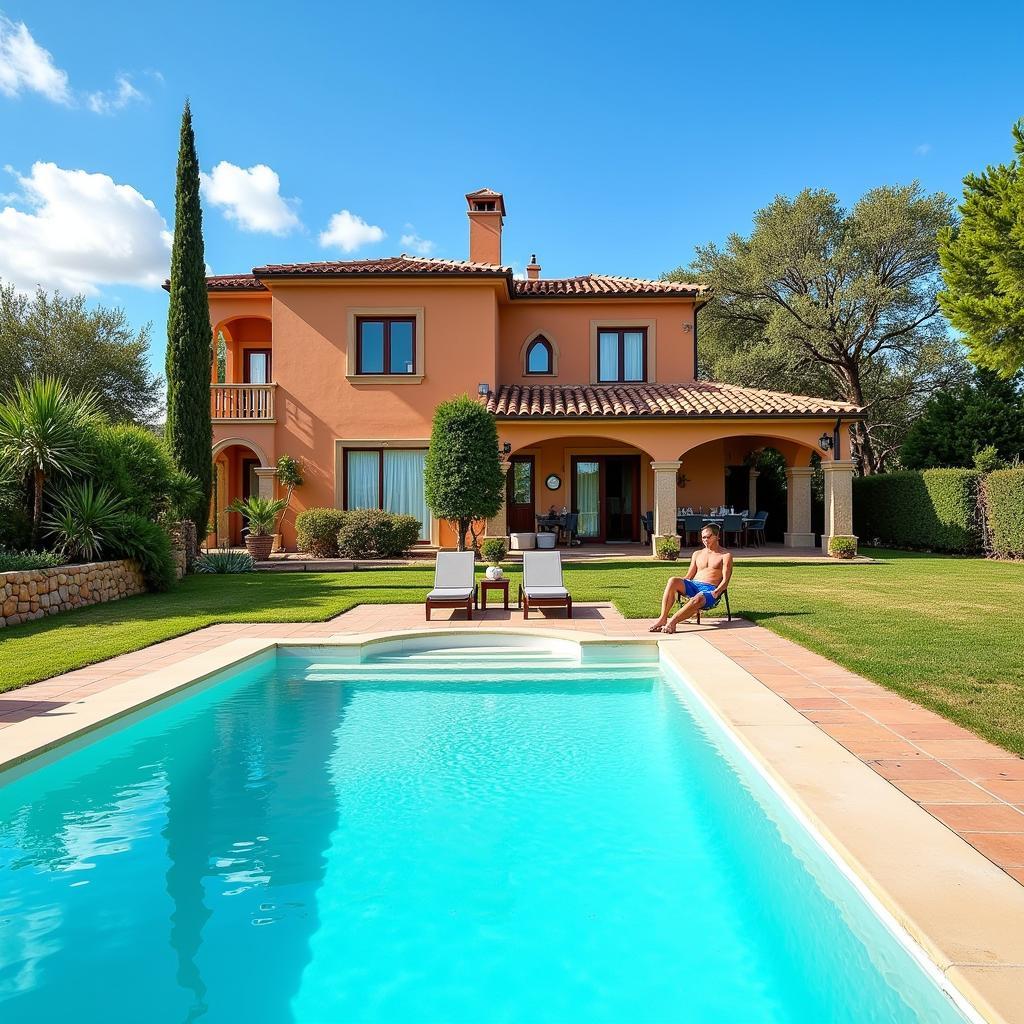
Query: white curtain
{"points": [[403, 486], [608, 357], [633, 355], [363, 480], [587, 479]]}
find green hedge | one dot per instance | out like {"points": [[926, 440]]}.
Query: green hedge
{"points": [[934, 510], [1005, 499]]}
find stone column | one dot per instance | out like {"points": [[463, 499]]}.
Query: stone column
{"points": [[752, 493], [838, 499], [798, 507], [497, 526], [266, 476], [664, 500]]}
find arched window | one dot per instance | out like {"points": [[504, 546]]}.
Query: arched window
{"points": [[539, 357]]}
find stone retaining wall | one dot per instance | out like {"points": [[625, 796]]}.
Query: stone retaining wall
{"points": [[31, 595]]}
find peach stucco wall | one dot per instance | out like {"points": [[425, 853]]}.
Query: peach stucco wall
{"points": [[568, 326]]}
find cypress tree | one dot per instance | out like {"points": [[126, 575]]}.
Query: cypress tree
{"points": [[189, 335]]}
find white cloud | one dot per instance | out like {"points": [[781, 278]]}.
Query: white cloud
{"points": [[924, 149], [26, 66], [413, 242], [114, 99], [348, 232], [250, 197], [79, 231]]}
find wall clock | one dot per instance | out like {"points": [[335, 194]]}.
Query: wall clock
{"points": [[553, 482]]}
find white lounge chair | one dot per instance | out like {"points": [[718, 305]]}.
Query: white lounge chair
{"points": [[454, 583], [542, 585]]}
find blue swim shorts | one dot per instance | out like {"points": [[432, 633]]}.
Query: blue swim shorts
{"points": [[707, 589]]}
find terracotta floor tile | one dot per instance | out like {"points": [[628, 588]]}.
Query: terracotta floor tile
{"points": [[1016, 872], [925, 768], [877, 750], [1006, 849], [815, 703], [866, 732], [948, 749], [997, 768], [978, 817], [944, 791], [937, 730], [840, 716], [1010, 790]]}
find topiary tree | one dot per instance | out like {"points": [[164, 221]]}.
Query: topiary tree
{"points": [[463, 479], [189, 335]]}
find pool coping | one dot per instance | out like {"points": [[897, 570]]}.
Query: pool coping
{"points": [[954, 903]]}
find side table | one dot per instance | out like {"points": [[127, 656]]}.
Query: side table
{"points": [[488, 585]]}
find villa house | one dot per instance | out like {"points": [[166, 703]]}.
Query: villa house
{"points": [[592, 380]]}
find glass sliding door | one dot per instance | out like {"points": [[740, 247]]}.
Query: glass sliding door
{"points": [[391, 479], [587, 488], [403, 486]]}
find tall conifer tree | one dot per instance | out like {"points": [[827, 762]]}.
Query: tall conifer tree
{"points": [[189, 335]]}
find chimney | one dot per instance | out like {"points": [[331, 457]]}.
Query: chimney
{"points": [[533, 268], [486, 215]]}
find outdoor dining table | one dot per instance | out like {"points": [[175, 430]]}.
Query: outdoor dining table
{"points": [[552, 524]]}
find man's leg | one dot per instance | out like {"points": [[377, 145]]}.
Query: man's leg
{"points": [[673, 589], [690, 608]]}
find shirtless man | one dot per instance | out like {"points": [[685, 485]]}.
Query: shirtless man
{"points": [[704, 584]]}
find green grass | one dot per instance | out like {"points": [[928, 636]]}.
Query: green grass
{"points": [[942, 631]]}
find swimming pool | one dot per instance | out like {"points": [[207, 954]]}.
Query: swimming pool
{"points": [[482, 835]]}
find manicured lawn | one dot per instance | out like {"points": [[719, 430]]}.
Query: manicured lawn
{"points": [[944, 632]]}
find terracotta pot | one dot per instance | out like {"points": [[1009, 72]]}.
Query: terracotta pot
{"points": [[259, 547]]}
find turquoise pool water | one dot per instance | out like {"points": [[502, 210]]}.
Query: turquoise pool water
{"points": [[428, 839]]}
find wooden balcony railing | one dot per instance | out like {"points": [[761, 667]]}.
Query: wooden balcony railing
{"points": [[242, 402]]}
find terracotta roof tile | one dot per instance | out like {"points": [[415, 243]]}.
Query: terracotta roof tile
{"points": [[603, 285], [228, 283], [388, 265], [699, 399]]}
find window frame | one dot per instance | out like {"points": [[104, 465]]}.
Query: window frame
{"points": [[622, 332], [387, 319], [247, 365], [540, 339]]}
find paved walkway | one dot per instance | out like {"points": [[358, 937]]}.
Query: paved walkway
{"points": [[973, 787]]}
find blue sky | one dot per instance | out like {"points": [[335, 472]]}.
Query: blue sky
{"points": [[621, 135]]}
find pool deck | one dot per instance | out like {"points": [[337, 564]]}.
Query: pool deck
{"points": [[912, 828]]}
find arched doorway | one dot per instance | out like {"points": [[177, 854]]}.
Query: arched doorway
{"points": [[234, 476]]}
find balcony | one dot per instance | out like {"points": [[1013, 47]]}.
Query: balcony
{"points": [[242, 403]]}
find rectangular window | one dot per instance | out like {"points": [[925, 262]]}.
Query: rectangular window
{"points": [[386, 345], [257, 366], [621, 354], [390, 479]]}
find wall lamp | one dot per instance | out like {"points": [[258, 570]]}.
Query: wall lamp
{"points": [[506, 448], [825, 442], [483, 389]]}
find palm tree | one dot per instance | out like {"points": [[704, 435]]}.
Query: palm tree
{"points": [[42, 429]]}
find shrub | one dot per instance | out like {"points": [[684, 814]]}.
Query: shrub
{"points": [[148, 544], [462, 477], [137, 465], [667, 548], [317, 531], [987, 459], [224, 562], [23, 561], [1005, 500], [83, 519], [15, 521], [369, 531], [842, 547], [493, 549], [934, 510]]}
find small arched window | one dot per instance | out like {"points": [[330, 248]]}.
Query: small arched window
{"points": [[539, 357]]}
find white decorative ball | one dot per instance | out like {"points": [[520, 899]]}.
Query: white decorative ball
{"points": [[493, 572]]}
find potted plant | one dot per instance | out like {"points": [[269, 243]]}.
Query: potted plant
{"points": [[260, 520], [494, 550], [667, 548]]}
